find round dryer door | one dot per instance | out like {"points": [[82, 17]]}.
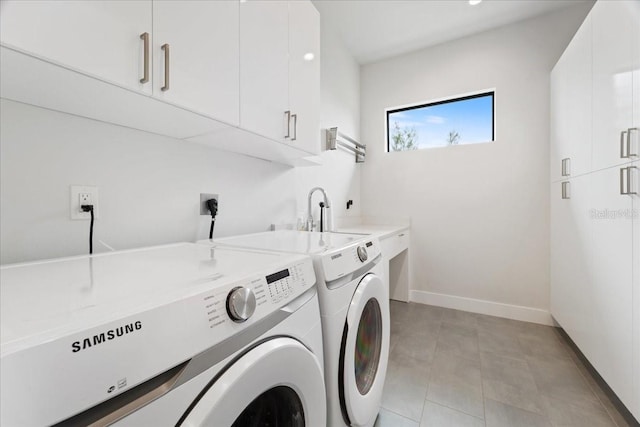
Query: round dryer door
{"points": [[365, 351], [279, 383]]}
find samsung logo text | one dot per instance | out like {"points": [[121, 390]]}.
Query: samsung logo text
{"points": [[106, 336]]}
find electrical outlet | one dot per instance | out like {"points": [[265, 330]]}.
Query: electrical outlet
{"points": [[204, 209], [85, 199], [83, 195]]}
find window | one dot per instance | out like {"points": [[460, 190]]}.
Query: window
{"points": [[464, 120]]}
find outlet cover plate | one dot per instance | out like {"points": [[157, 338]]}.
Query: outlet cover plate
{"points": [[204, 209], [74, 201]]}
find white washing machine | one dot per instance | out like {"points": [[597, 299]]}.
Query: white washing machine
{"points": [[354, 305], [179, 335]]}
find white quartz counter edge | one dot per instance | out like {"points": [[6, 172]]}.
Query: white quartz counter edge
{"points": [[379, 231]]}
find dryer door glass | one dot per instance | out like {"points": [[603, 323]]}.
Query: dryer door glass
{"points": [[364, 351], [279, 406], [368, 346]]}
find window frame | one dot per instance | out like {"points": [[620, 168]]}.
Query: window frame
{"points": [[448, 100]]}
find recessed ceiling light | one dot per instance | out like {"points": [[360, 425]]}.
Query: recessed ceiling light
{"points": [[474, 2], [309, 56]]}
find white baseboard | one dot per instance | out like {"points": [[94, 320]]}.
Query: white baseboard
{"points": [[509, 311]]}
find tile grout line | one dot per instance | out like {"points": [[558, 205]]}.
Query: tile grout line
{"points": [[484, 405], [535, 382], [454, 409], [435, 351], [402, 416], [483, 419]]}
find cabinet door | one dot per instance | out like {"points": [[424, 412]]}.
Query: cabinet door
{"points": [[611, 270], [203, 56], [635, 409], [635, 118], [304, 74], [264, 67], [572, 301], [579, 100], [571, 106], [614, 26], [559, 125], [101, 38]]}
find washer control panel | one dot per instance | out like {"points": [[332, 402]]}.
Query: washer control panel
{"points": [[230, 307], [347, 260]]}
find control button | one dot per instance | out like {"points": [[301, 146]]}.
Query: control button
{"points": [[362, 253], [241, 303]]}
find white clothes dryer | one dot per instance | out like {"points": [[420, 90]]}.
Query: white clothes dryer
{"points": [[178, 335], [354, 305]]}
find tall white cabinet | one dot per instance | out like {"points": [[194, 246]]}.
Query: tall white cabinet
{"points": [[595, 207]]}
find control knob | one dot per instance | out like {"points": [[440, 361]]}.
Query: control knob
{"points": [[241, 304], [362, 253]]}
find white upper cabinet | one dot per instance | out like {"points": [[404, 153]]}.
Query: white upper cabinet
{"points": [[264, 69], [304, 74], [280, 71], [203, 64], [242, 76], [615, 57], [101, 38], [571, 106]]}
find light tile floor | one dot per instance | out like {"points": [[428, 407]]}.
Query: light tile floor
{"points": [[454, 368]]}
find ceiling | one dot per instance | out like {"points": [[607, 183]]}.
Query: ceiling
{"points": [[377, 29]]}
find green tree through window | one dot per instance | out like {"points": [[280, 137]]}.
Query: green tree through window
{"points": [[403, 139]]}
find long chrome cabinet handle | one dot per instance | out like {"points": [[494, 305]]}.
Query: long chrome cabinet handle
{"points": [[295, 127], [287, 114], [165, 48], [622, 191], [625, 178], [566, 166], [622, 137], [145, 77], [629, 170], [629, 153], [566, 190]]}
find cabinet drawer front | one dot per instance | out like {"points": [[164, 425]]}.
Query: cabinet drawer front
{"points": [[393, 245]]}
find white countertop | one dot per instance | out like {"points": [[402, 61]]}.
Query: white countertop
{"points": [[299, 242], [379, 231]]}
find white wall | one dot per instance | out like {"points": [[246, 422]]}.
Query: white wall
{"points": [[339, 176], [149, 185], [480, 221]]}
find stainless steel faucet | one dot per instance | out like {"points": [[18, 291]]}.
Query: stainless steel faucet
{"points": [[327, 206]]}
